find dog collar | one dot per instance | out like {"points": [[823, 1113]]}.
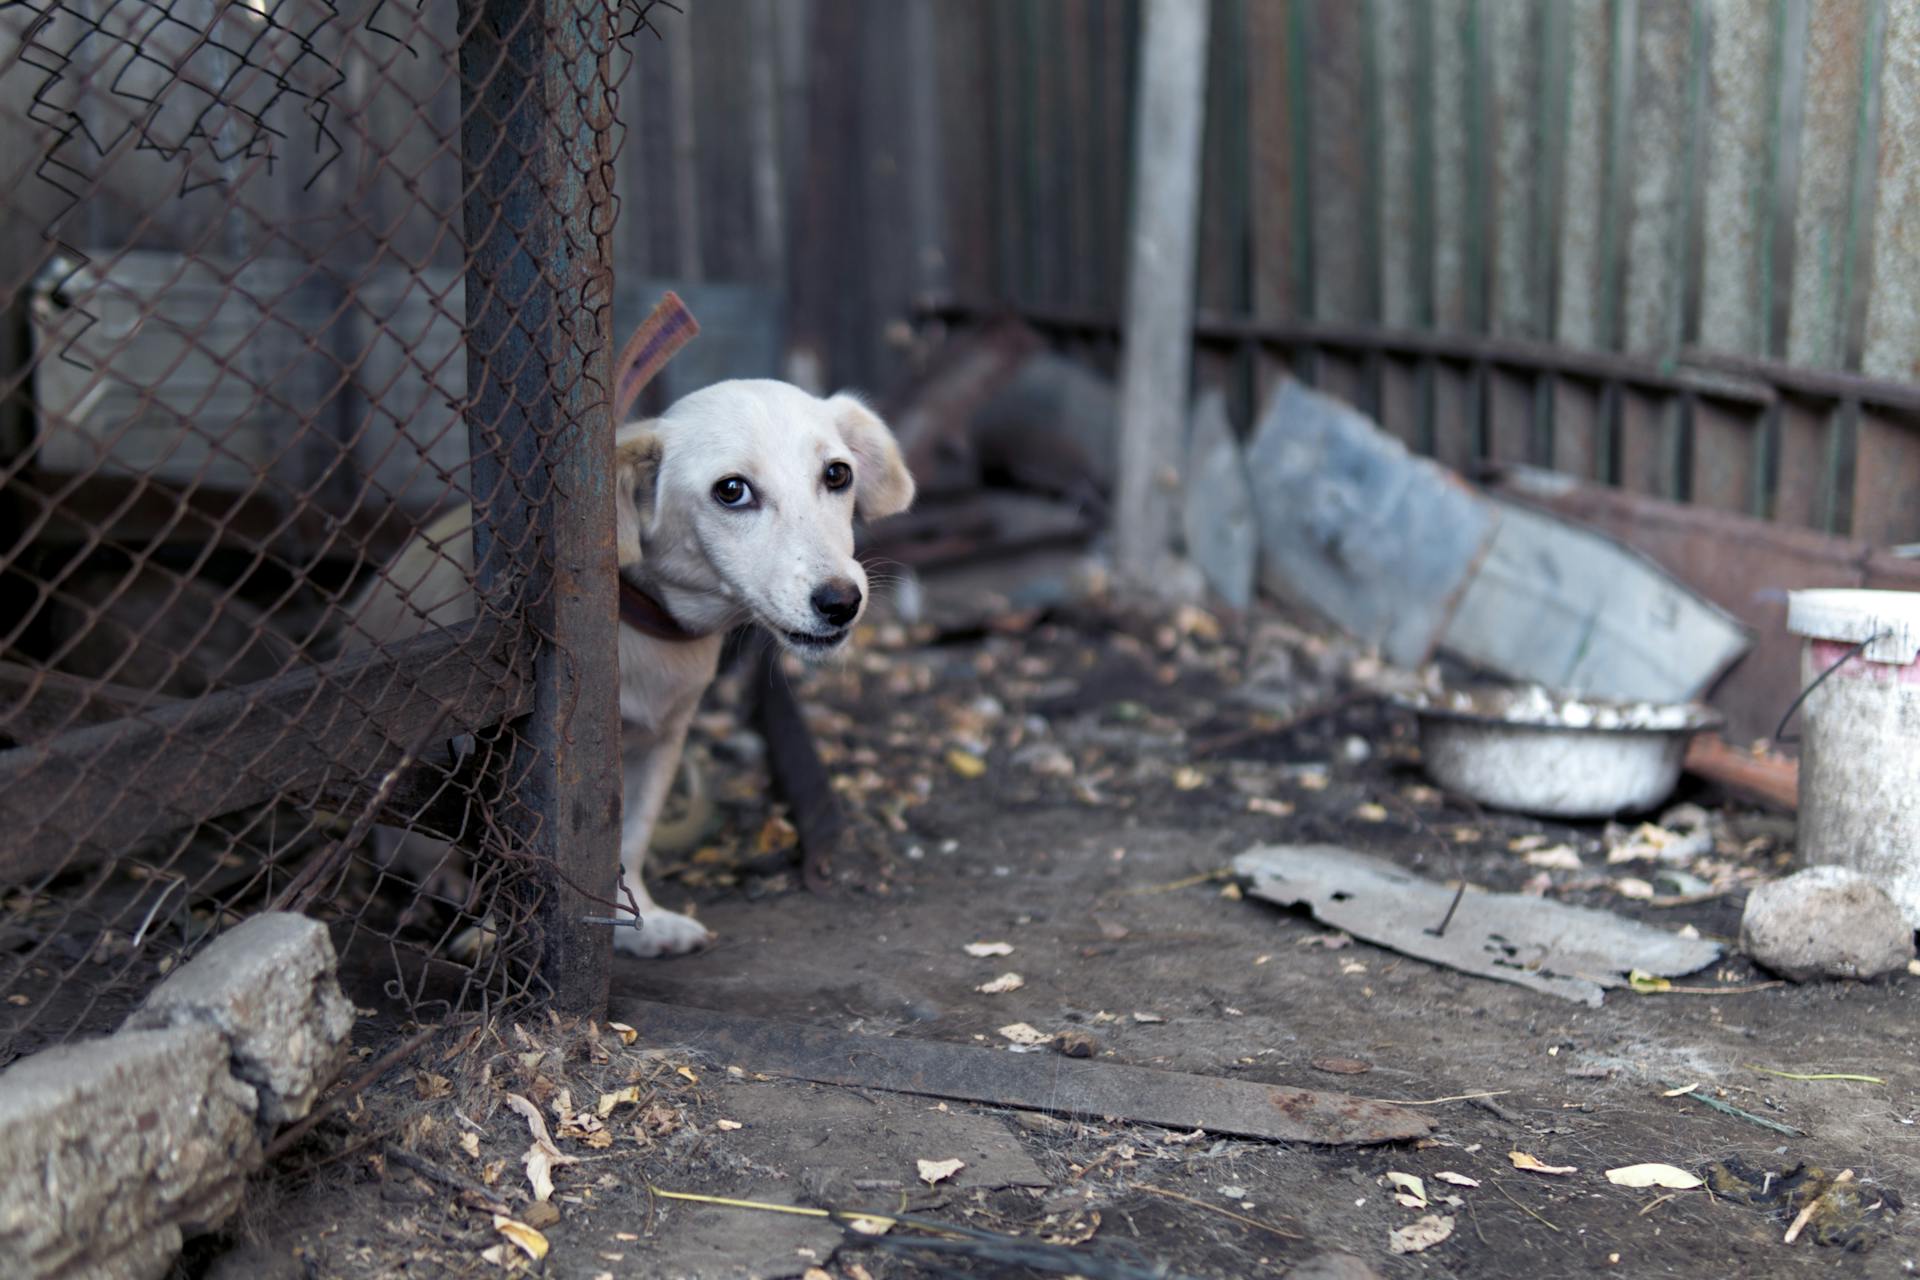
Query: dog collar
{"points": [[647, 616]]}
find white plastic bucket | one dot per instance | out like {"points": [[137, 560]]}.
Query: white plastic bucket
{"points": [[1860, 741]]}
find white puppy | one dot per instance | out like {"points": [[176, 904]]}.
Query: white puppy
{"points": [[735, 505]]}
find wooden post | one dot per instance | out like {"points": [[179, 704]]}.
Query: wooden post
{"points": [[1155, 365], [536, 145]]}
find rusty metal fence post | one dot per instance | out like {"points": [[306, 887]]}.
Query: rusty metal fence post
{"points": [[536, 147]]}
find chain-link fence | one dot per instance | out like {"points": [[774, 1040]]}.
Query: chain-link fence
{"points": [[306, 594]]}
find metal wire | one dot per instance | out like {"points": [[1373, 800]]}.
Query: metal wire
{"points": [[233, 385]]}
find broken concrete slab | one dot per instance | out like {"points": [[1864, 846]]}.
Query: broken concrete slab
{"points": [[1357, 529], [1217, 507], [1566, 951], [268, 987], [1054, 1084], [1571, 608], [112, 1151]]}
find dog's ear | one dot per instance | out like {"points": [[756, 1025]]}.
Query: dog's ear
{"points": [[885, 484], [636, 477]]}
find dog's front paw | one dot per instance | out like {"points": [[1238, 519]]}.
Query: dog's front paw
{"points": [[663, 933]]}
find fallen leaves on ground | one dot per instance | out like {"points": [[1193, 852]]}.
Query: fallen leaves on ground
{"points": [[1457, 1179], [1532, 1164], [1420, 1235], [1653, 1175], [934, 1171], [965, 763], [1409, 1190], [542, 1156], [530, 1242], [1024, 1033], [1002, 985], [982, 950]]}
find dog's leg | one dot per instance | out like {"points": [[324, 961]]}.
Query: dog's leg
{"points": [[793, 763], [649, 765]]}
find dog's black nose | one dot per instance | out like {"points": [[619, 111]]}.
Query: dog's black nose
{"points": [[837, 601]]}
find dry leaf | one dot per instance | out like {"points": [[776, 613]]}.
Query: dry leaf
{"points": [[1561, 857], [430, 1086], [1633, 887], [688, 1073], [470, 1143], [1412, 1192], [1653, 1175], [626, 1033], [1682, 1091], [1521, 1160], [608, 1101], [1024, 1033], [531, 1242], [1001, 985], [870, 1226], [1420, 1235], [816, 1273], [1457, 1179], [965, 763], [981, 950], [542, 1156], [1147, 1017], [1272, 808], [1371, 812], [1188, 778], [932, 1171], [728, 1126]]}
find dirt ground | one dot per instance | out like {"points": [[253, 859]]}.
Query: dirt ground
{"points": [[1073, 785]]}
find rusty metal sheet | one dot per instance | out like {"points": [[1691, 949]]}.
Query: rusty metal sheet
{"points": [[1456, 415], [1886, 477], [1576, 427], [1726, 448], [1510, 400], [1063, 1086], [1801, 494], [1649, 440]]}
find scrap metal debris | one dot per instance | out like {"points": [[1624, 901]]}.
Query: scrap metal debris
{"points": [[1571, 952], [1067, 1086]]}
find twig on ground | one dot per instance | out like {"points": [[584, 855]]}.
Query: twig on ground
{"points": [[1282, 1232], [1817, 1075], [1522, 1208], [479, 1196]]}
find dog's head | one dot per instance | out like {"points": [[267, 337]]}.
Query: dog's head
{"points": [[741, 499]]}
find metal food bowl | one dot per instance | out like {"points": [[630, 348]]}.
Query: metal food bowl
{"points": [[1556, 755]]}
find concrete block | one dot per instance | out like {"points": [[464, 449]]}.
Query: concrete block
{"points": [[112, 1150], [268, 986]]}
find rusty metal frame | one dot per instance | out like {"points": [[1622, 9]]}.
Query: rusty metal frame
{"points": [[536, 160]]}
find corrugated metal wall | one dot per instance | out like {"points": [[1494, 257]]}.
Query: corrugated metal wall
{"points": [[1672, 245]]}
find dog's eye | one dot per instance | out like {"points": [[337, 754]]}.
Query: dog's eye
{"points": [[733, 492], [839, 475]]}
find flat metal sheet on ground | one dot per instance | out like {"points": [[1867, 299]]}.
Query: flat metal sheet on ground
{"points": [[1029, 1082], [1570, 952]]}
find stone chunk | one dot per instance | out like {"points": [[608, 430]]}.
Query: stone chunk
{"points": [[111, 1150], [1825, 922], [268, 986]]}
